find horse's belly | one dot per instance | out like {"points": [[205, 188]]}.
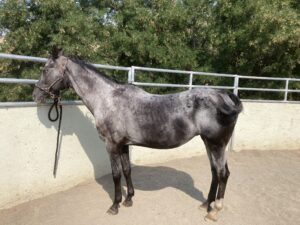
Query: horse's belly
{"points": [[163, 141], [160, 132]]}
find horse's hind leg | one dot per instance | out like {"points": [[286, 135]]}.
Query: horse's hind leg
{"points": [[224, 174], [127, 173], [216, 155], [213, 186]]}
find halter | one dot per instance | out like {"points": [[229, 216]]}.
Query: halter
{"points": [[48, 89], [55, 104]]}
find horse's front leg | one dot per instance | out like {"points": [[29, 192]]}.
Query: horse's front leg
{"points": [[127, 173], [115, 161]]}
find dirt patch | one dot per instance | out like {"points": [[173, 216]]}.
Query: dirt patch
{"points": [[263, 189]]}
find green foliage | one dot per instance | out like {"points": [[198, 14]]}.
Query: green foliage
{"points": [[35, 26], [248, 37], [257, 37]]}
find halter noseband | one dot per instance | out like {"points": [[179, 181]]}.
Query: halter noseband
{"points": [[48, 89]]}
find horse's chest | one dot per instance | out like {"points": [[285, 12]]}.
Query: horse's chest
{"points": [[109, 130]]}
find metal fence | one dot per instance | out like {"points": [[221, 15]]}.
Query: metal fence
{"points": [[131, 71]]}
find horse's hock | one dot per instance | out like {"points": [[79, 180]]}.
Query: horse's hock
{"points": [[28, 143]]}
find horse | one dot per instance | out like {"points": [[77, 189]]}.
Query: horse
{"points": [[127, 115]]}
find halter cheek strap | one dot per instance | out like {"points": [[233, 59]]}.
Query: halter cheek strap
{"points": [[48, 89]]}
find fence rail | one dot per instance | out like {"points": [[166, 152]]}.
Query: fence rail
{"points": [[131, 71]]}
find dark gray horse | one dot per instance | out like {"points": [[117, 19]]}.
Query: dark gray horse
{"points": [[126, 115]]}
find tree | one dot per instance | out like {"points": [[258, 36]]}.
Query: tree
{"points": [[256, 37], [259, 38], [32, 27]]}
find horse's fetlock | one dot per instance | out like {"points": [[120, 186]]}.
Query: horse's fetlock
{"points": [[130, 192]]}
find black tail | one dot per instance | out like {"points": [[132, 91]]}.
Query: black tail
{"points": [[229, 106], [238, 106]]}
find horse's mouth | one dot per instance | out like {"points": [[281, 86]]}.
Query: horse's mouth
{"points": [[38, 96]]}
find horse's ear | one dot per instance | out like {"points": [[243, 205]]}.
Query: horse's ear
{"points": [[56, 52]]}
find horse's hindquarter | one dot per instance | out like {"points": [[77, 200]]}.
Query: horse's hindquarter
{"points": [[160, 121]]}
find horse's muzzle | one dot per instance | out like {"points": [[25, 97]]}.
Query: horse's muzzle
{"points": [[39, 96]]}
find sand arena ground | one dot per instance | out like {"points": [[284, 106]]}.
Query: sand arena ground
{"points": [[263, 189]]}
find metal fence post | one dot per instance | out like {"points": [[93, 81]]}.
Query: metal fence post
{"points": [[132, 71], [191, 81], [236, 92], [131, 75], [286, 91], [236, 85]]}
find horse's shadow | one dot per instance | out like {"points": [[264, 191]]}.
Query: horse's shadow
{"points": [[153, 178], [75, 122], [146, 178]]}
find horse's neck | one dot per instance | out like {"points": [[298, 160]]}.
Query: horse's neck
{"points": [[88, 85]]}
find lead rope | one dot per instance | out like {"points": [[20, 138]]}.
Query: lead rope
{"points": [[58, 115]]}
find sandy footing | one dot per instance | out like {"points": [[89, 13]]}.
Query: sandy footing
{"points": [[263, 189]]}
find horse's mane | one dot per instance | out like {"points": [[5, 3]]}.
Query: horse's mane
{"points": [[89, 66]]}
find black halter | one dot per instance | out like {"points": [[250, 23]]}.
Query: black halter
{"points": [[56, 104], [48, 89]]}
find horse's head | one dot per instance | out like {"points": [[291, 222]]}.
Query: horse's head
{"points": [[53, 78]]}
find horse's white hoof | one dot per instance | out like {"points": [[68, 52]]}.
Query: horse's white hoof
{"points": [[212, 216], [203, 206], [219, 204]]}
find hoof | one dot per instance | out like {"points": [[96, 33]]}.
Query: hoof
{"points": [[219, 204], [203, 206], [113, 210], [127, 203], [212, 216]]}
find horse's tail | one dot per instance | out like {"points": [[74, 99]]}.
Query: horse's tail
{"points": [[228, 107], [229, 104]]}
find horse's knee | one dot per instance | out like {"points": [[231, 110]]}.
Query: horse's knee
{"points": [[127, 171], [116, 171], [116, 176], [126, 167]]}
